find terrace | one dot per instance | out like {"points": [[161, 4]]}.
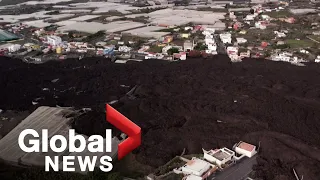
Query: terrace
{"points": [[221, 155]]}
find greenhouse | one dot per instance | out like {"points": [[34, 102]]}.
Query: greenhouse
{"points": [[7, 36]]}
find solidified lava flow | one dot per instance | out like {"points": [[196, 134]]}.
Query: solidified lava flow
{"points": [[194, 104]]}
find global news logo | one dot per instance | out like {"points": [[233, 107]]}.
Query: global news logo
{"points": [[76, 143]]}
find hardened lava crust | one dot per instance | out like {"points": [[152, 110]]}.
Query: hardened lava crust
{"points": [[194, 104]]}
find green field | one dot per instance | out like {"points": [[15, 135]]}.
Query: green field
{"points": [[279, 14], [299, 43]]}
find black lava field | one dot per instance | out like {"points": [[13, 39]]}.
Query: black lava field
{"points": [[194, 104]]}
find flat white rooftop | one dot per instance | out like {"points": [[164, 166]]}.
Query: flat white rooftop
{"points": [[197, 165]]}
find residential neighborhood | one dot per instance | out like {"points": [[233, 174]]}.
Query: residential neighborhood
{"points": [[241, 30]]}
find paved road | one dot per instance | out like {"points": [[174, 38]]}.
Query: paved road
{"points": [[239, 171]]}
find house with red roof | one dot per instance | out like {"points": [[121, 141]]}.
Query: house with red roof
{"points": [[246, 149]]}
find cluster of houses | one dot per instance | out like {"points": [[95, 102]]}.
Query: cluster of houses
{"points": [[51, 41], [257, 20], [164, 55], [236, 48], [210, 41], [215, 160], [288, 57]]}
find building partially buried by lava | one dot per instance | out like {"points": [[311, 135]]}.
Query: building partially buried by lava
{"points": [[220, 157], [196, 169], [246, 149]]}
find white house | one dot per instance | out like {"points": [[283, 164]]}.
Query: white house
{"points": [[219, 156], [212, 46], [197, 169], [250, 17], [181, 55], [260, 25], [232, 16], [225, 38], [234, 57], [14, 47], [232, 50], [209, 30], [117, 38], [124, 48], [188, 28], [304, 51], [143, 49], [188, 46], [154, 56], [54, 40], [213, 52], [265, 17], [245, 54], [209, 39], [82, 50], [101, 43], [241, 40], [281, 57], [165, 49], [280, 34], [246, 149]]}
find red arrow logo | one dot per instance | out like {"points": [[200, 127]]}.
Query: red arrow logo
{"points": [[128, 127]]}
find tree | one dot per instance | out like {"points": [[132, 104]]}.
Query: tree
{"points": [[172, 51], [155, 49], [139, 43], [282, 46], [96, 35], [200, 47], [70, 34]]}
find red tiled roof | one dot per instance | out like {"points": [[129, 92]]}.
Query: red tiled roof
{"points": [[246, 146]]}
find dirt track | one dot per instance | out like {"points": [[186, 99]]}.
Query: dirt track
{"points": [[192, 104]]}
